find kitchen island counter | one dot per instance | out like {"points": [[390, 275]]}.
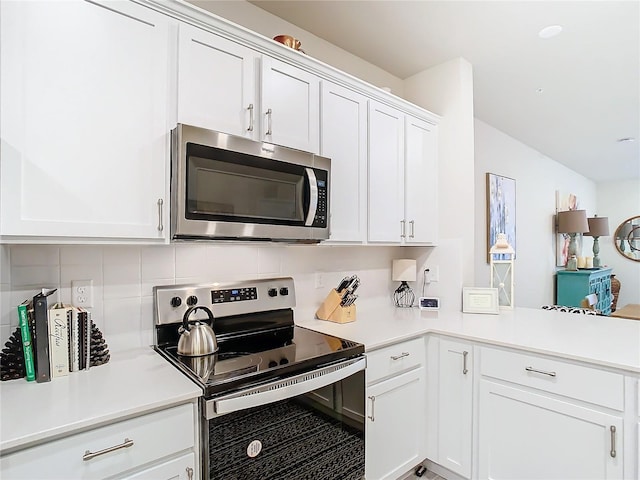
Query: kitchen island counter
{"points": [[599, 340], [132, 383]]}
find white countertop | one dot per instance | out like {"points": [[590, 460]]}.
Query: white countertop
{"points": [[604, 341], [132, 383]]}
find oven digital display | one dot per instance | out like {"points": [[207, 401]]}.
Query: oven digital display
{"points": [[234, 295]]}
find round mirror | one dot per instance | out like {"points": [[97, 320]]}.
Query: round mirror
{"points": [[627, 238]]}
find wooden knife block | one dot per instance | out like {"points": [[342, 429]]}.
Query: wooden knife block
{"points": [[332, 311]]}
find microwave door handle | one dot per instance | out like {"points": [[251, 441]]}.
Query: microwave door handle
{"points": [[313, 196]]}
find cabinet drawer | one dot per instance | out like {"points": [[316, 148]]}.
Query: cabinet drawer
{"points": [[394, 359], [154, 436], [580, 382]]}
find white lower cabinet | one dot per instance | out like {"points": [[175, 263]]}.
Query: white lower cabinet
{"points": [[543, 418], [157, 445], [395, 425], [181, 468], [525, 435], [455, 405]]}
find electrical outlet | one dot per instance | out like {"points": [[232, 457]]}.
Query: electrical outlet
{"points": [[319, 280], [433, 275], [82, 293]]}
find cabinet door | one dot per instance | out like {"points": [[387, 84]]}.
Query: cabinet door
{"points": [[290, 106], [181, 468], [386, 174], [344, 141], [523, 435], [216, 83], [85, 135], [455, 404], [395, 426], [421, 181]]}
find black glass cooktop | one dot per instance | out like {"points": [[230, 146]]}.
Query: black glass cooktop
{"points": [[241, 362]]}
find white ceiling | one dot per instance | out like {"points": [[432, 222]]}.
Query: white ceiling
{"points": [[589, 74]]}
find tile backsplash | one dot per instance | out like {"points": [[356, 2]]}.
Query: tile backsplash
{"points": [[123, 276]]}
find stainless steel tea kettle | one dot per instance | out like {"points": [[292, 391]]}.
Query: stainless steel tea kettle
{"points": [[197, 338]]}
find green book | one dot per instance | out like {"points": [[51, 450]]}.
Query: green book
{"points": [[27, 348]]}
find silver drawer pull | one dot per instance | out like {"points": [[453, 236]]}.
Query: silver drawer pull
{"points": [[89, 455], [373, 407], [531, 369], [612, 428], [398, 357]]}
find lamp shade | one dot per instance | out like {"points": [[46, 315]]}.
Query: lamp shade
{"points": [[598, 226], [404, 270], [573, 221]]}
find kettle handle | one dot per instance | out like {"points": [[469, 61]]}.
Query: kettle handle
{"points": [[190, 310]]}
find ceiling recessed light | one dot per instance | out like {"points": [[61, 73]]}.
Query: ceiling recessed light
{"points": [[626, 139], [539, 90], [550, 31]]}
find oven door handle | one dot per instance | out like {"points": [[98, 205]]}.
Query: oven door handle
{"points": [[284, 388]]}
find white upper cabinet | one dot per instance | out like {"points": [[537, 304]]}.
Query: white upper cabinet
{"points": [[386, 174], [421, 181], [290, 113], [217, 83], [220, 81], [403, 192], [344, 141], [85, 137]]}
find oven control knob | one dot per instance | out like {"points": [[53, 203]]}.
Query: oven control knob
{"points": [[273, 292], [284, 361], [176, 302], [192, 300], [284, 291], [273, 363]]}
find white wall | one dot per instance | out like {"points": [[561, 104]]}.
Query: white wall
{"points": [[537, 180], [619, 201], [447, 90]]}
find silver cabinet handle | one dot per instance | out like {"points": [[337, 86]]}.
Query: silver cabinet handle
{"points": [[250, 108], [412, 234], [189, 473], [464, 362], [268, 114], [612, 429], [531, 369], [373, 407], [398, 357], [88, 455], [402, 228], [160, 225]]}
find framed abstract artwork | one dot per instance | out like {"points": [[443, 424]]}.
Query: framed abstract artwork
{"points": [[501, 210]]}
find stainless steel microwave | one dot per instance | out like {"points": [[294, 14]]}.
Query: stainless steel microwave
{"points": [[231, 188]]}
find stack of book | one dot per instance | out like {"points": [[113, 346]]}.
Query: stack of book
{"points": [[56, 339]]}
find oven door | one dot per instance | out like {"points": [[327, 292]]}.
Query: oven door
{"points": [[306, 426], [231, 187]]}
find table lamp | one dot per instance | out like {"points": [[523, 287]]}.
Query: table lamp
{"points": [[623, 235], [403, 271], [572, 222], [598, 227]]}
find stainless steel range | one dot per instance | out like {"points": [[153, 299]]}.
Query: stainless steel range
{"points": [[279, 401]]}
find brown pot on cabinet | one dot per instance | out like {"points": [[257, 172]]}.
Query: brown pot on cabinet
{"points": [[615, 290]]}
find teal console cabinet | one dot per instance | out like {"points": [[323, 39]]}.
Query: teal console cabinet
{"points": [[573, 286]]}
